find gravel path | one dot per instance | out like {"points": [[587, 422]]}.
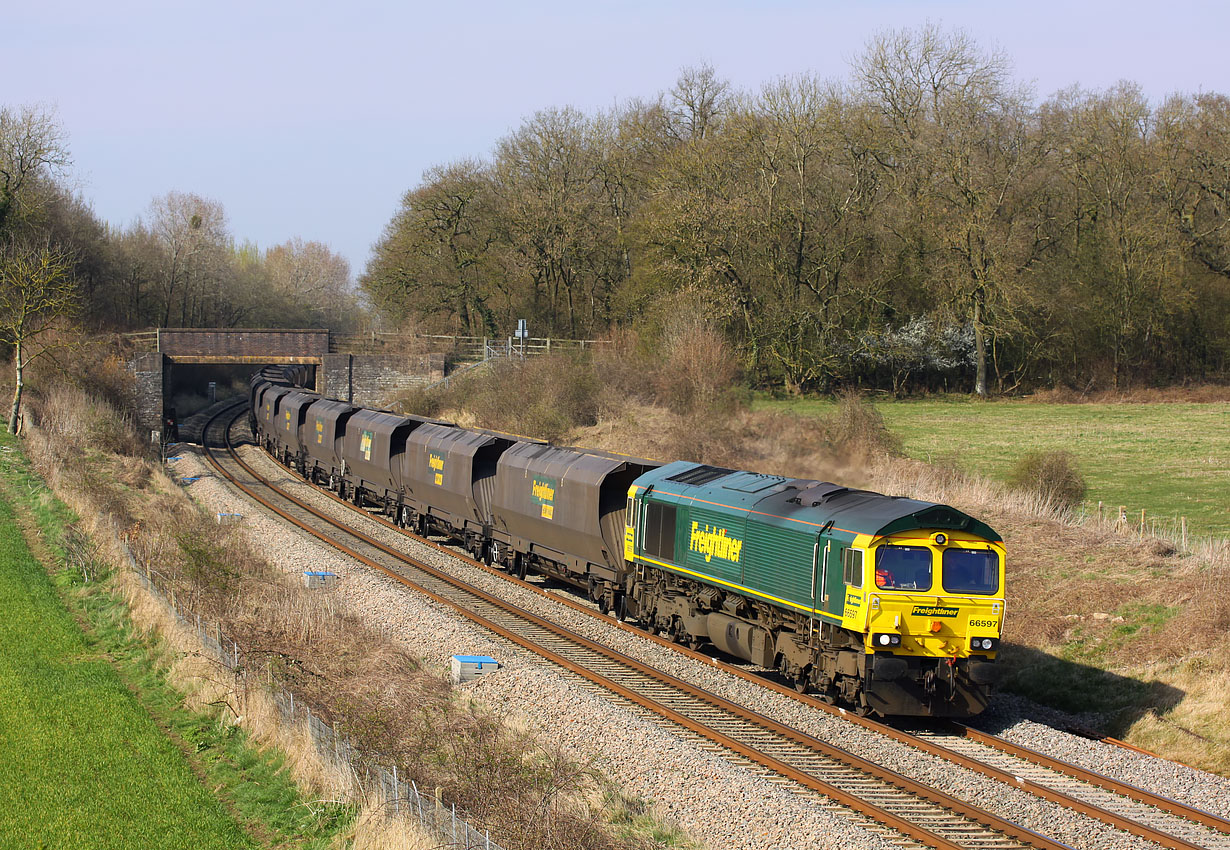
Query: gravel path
{"points": [[737, 808]]}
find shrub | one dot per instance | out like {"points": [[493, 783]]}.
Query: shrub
{"points": [[544, 396], [698, 369], [418, 401], [857, 427], [1053, 475]]}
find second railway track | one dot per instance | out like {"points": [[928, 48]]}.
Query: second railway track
{"points": [[913, 810]]}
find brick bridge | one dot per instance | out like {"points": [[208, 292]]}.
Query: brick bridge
{"points": [[365, 369], [368, 378]]}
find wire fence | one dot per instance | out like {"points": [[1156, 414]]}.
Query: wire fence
{"points": [[396, 795], [460, 348]]}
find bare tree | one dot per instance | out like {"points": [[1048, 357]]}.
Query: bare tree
{"points": [[191, 231], [428, 265], [32, 148], [1195, 138], [36, 292], [698, 101], [1110, 156], [960, 150], [309, 273], [548, 193], [816, 186]]}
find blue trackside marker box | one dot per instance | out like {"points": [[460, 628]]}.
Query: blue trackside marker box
{"points": [[466, 668], [319, 579]]}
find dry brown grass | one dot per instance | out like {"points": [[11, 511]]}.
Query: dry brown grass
{"points": [[377, 827], [1196, 730], [208, 686]]}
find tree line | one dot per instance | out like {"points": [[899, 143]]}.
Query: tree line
{"points": [[178, 265], [63, 270], [925, 223]]}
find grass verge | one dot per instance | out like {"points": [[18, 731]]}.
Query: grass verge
{"points": [[98, 748]]}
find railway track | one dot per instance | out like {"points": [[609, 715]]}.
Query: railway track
{"points": [[920, 815]]}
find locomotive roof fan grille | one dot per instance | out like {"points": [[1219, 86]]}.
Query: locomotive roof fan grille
{"points": [[700, 474]]}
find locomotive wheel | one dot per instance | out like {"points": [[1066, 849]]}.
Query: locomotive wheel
{"points": [[801, 680]]}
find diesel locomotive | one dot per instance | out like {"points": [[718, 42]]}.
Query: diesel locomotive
{"points": [[888, 605]]}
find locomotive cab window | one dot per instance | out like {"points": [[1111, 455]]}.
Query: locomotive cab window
{"points": [[903, 568], [852, 564], [658, 533], [970, 571]]}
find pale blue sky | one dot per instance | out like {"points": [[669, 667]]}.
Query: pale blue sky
{"points": [[312, 119]]}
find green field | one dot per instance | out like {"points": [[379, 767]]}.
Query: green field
{"points": [[1170, 459], [84, 764]]}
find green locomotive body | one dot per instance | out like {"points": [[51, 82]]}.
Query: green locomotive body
{"points": [[792, 574]]}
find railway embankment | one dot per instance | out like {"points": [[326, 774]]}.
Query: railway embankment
{"points": [[529, 793]]}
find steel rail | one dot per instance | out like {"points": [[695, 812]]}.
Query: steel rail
{"points": [[1033, 787], [964, 810]]}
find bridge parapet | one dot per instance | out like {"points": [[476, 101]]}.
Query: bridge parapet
{"points": [[242, 343]]}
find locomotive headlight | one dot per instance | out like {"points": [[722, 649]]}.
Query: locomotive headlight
{"points": [[887, 639], [985, 644]]}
